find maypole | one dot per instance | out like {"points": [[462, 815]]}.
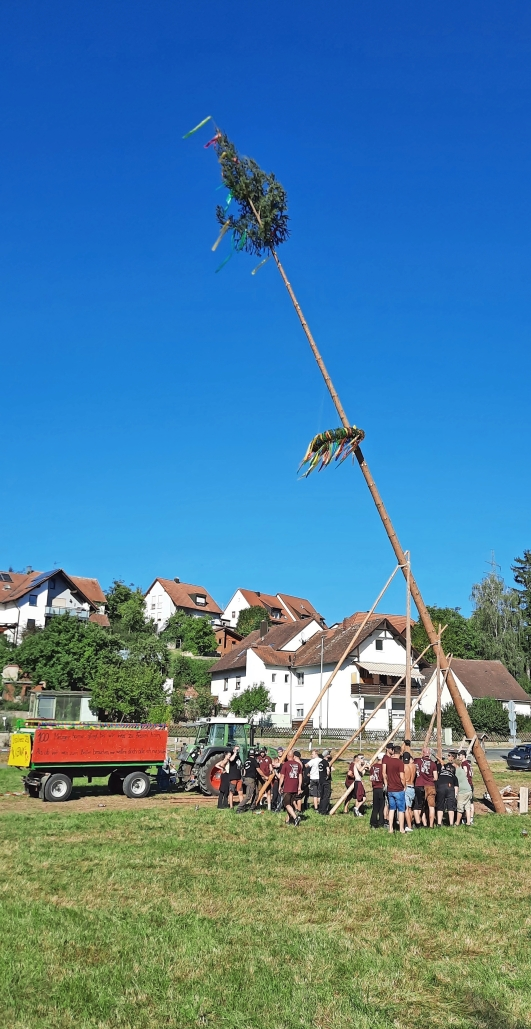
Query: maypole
{"points": [[259, 224]]}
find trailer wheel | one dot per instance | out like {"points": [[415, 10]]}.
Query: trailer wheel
{"points": [[115, 783], [209, 777], [57, 787], [137, 785]]}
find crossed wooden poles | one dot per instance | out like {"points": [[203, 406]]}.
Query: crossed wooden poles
{"points": [[403, 563]]}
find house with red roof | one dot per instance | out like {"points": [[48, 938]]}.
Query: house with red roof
{"points": [[166, 596], [29, 599], [282, 608]]}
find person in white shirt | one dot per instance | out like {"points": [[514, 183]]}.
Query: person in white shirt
{"points": [[313, 765]]}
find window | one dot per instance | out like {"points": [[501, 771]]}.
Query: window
{"points": [[300, 678], [225, 684], [399, 704], [379, 644], [286, 709], [200, 599], [300, 712], [33, 600], [274, 677], [4, 577], [233, 614], [286, 677], [369, 705], [30, 624], [273, 708], [238, 683]]}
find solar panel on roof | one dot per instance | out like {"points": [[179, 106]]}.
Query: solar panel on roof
{"points": [[42, 577]]}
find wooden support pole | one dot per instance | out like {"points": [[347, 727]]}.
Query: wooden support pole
{"points": [[391, 736], [372, 714], [438, 709], [350, 646], [427, 737]]}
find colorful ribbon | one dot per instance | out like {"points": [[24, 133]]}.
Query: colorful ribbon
{"points": [[200, 126], [332, 445], [221, 235], [266, 259], [212, 141]]}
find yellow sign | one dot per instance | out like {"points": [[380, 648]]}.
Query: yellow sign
{"points": [[20, 750]]}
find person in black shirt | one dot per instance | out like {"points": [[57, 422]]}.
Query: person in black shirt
{"points": [[325, 782], [446, 793], [251, 772], [234, 769]]}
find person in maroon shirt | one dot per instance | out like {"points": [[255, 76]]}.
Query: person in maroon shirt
{"points": [[266, 767], [378, 797], [425, 788], [394, 779], [290, 785]]}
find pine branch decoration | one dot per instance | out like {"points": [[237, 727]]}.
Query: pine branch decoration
{"points": [[255, 193], [332, 445]]}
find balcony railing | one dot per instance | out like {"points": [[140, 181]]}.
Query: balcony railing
{"points": [[74, 612]]}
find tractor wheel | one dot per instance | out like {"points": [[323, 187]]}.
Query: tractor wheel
{"points": [[57, 787], [137, 785], [115, 783], [209, 777]]}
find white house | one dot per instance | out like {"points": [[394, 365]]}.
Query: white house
{"points": [[281, 608], [264, 659], [166, 596], [294, 666], [475, 680], [28, 600]]}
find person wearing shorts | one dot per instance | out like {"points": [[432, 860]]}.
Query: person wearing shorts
{"points": [[464, 793], [410, 771], [313, 768], [425, 789], [447, 787], [394, 780], [234, 769], [266, 768], [290, 785], [467, 765]]}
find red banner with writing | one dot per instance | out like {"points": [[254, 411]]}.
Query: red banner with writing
{"points": [[110, 746]]}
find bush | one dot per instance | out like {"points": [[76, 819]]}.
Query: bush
{"points": [[487, 714], [422, 720], [523, 723]]}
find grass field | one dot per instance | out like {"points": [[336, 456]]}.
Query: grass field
{"points": [[184, 918]]}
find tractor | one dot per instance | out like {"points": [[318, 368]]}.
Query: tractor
{"points": [[196, 764]]}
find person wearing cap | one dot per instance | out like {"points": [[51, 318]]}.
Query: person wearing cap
{"points": [[394, 780], [325, 782], [378, 796], [447, 787]]}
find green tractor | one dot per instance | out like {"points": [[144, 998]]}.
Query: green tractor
{"points": [[196, 764]]}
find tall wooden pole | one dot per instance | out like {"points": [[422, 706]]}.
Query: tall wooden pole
{"points": [[438, 711], [407, 729], [424, 614]]}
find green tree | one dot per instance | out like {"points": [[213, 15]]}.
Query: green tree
{"points": [[498, 619], [253, 701], [189, 671], [189, 633], [127, 691], [251, 618], [126, 611], [67, 653], [522, 577], [461, 638], [487, 714], [7, 651]]}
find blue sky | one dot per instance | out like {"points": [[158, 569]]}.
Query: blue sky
{"points": [[154, 412]]}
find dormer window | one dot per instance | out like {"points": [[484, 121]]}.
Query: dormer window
{"points": [[200, 599]]}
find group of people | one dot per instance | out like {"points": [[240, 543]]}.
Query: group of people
{"points": [[412, 792], [407, 792], [289, 782]]}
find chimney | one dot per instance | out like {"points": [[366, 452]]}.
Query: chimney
{"points": [[258, 593], [263, 629], [176, 580], [29, 569]]}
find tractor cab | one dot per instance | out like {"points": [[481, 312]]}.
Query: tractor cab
{"points": [[214, 738]]}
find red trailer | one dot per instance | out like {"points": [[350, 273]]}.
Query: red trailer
{"points": [[54, 755]]}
